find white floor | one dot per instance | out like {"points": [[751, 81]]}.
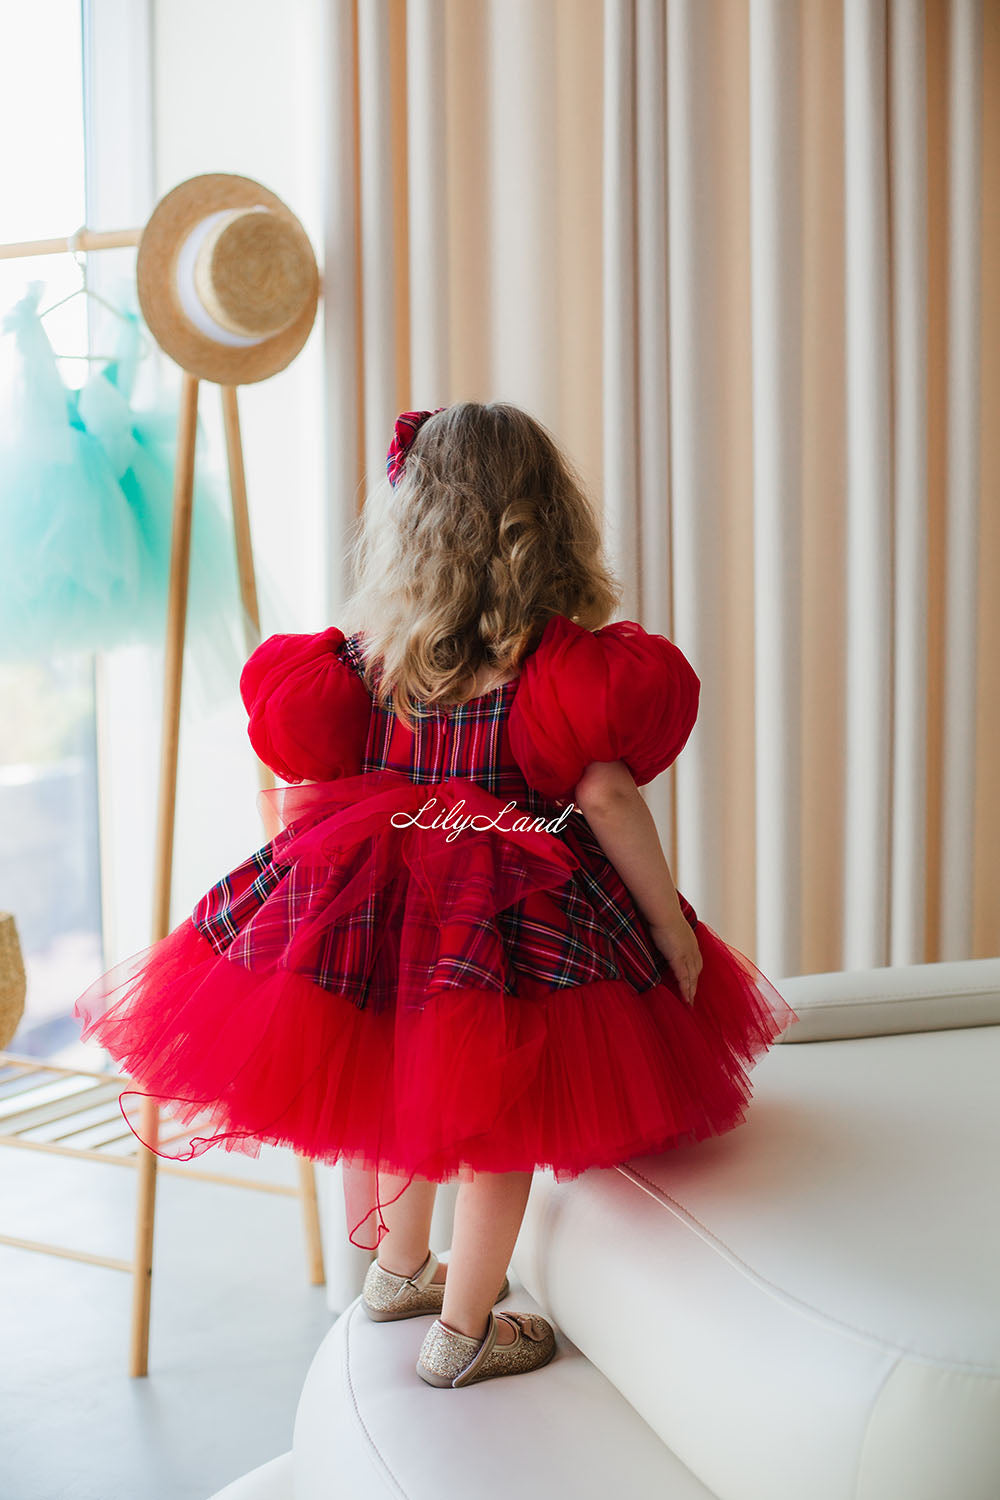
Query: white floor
{"points": [[235, 1325]]}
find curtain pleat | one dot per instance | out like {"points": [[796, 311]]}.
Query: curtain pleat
{"points": [[986, 892], [379, 223], [699, 604], [775, 43], [908, 195], [427, 180], [962, 541], [341, 327], [622, 331], [651, 542], [730, 253], [522, 286], [822, 484], [869, 494], [467, 71]]}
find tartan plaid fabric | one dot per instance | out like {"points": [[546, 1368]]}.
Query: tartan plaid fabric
{"points": [[224, 911], [408, 424], [585, 930]]}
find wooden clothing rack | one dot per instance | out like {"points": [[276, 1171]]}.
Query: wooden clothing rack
{"points": [[81, 239], [176, 624]]}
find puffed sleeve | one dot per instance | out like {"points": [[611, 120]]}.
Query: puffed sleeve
{"points": [[309, 710], [617, 693]]}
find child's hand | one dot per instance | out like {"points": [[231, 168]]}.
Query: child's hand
{"points": [[678, 943]]}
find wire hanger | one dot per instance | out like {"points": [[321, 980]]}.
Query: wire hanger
{"points": [[79, 257]]}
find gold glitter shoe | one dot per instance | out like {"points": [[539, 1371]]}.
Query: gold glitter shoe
{"points": [[386, 1296], [452, 1359]]}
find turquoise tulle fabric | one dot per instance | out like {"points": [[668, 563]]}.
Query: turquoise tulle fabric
{"points": [[86, 500]]}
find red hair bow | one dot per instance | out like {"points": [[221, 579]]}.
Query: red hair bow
{"points": [[408, 423]]}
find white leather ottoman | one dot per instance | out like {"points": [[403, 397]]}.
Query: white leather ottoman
{"points": [[271, 1481], [808, 1306], [368, 1426]]}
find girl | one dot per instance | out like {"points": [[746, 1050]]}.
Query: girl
{"points": [[463, 955]]}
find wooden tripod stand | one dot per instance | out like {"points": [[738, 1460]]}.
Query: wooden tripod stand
{"points": [[177, 598]]}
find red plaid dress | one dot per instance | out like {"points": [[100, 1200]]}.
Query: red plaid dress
{"points": [[434, 967]]}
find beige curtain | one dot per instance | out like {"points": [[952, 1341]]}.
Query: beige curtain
{"points": [[741, 256]]}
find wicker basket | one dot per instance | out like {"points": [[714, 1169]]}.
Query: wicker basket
{"points": [[12, 980]]}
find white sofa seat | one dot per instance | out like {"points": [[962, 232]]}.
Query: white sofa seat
{"points": [[810, 1304], [368, 1426], [271, 1481], [807, 1308]]}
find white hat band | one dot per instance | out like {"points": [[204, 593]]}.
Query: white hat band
{"points": [[187, 290]]}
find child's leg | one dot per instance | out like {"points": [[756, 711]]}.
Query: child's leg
{"points": [[488, 1213], [403, 1248]]}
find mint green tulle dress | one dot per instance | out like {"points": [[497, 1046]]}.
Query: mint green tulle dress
{"points": [[86, 503]]}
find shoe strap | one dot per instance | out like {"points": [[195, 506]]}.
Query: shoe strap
{"points": [[482, 1354], [421, 1278]]}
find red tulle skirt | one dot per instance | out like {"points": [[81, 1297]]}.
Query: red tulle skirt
{"points": [[469, 1065]]}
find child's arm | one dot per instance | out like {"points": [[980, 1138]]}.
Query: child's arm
{"points": [[623, 826]]}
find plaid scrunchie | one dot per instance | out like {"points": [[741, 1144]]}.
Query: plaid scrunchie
{"points": [[408, 424]]}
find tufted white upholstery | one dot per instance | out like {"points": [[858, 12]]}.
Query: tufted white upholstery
{"points": [[821, 1285], [807, 1308], [272, 1481], [883, 1002], [368, 1426]]}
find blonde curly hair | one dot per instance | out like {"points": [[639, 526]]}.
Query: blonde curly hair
{"points": [[488, 533]]}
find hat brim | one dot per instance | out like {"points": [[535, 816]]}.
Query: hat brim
{"points": [[168, 226]]}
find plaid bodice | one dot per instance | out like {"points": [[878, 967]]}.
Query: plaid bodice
{"points": [[586, 930], [462, 739]]}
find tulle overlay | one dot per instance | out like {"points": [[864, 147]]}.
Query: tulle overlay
{"points": [[86, 508], [449, 1056]]}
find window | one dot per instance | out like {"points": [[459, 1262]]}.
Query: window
{"points": [[49, 844]]}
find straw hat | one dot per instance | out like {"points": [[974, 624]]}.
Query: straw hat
{"points": [[227, 279]]}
